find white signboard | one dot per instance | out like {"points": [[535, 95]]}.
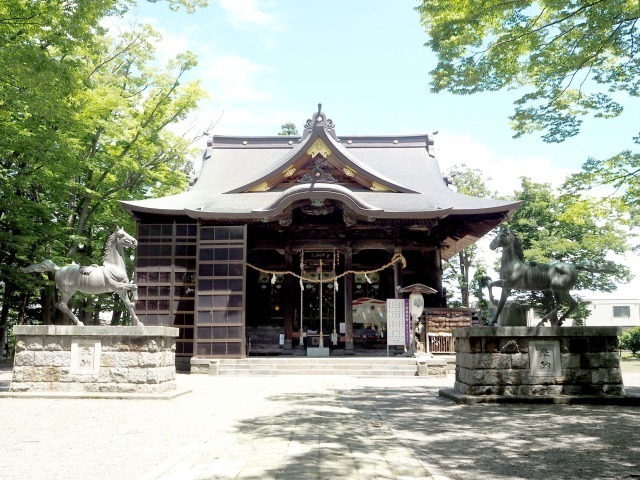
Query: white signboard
{"points": [[398, 321]]}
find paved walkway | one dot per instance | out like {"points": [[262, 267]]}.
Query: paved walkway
{"points": [[292, 427]]}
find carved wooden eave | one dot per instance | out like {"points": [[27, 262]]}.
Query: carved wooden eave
{"points": [[319, 157], [319, 199]]}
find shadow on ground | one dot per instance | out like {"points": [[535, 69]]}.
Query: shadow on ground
{"points": [[476, 441]]}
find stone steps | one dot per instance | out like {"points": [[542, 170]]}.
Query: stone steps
{"points": [[355, 366]]}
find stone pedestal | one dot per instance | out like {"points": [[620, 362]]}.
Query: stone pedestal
{"points": [[431, 367], [51, 358], [317, 351], [523, 362]]}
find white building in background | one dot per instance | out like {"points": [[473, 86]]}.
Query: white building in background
{"points": [[605, 312], [614, 312]]}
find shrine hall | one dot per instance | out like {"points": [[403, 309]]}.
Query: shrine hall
{"points": [[287, 243]]}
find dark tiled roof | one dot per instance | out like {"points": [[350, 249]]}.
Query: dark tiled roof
{"points": [[404, 175]]}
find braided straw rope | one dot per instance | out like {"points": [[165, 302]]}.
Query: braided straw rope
{"points": [[396, 258]]}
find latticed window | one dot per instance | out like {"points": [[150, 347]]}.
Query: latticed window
{"points": [[165, 275], [220, 291]]}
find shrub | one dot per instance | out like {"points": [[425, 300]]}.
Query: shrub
{"points": [[630, 340]]}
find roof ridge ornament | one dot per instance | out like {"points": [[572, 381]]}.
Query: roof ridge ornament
{"points": [[319, 119]]}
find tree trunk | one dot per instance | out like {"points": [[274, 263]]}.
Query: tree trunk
{"points": [[96, 314], [4, 313], [24, 298], [117, 313]]}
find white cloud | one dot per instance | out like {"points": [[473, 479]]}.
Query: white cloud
{"points": [[503, 173], [244, 121], [236, 119], [171, 45], [233, 78], [248, 14]]}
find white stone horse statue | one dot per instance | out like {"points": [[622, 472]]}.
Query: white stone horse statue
{"points": [[93, 279]]}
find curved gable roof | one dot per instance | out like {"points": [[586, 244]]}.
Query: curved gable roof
{"points": [[383, 177]]}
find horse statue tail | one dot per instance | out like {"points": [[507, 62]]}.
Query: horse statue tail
{"points": [[44, 266], [593, 267]]}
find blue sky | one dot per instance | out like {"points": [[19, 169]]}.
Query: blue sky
{"points": [[267, 62]]}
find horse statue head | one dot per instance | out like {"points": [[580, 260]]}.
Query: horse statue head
{"points": [[123, 239], [504, 238]]}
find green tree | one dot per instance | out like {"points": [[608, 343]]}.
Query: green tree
{"points": [[556, 227], [288, 128], [478, 288], [564, 52], [457, 272], [569, 58], [620, 173], [630, 340], [85, 121], [125, 149]]}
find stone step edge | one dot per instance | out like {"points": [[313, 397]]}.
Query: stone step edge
{"points": [[382, 373], [314, 365]]}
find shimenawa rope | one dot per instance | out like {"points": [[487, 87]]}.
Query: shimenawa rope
{"points": [[396, 258]]}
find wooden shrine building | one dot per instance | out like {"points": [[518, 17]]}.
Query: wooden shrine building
{"points": [[244, 249]]}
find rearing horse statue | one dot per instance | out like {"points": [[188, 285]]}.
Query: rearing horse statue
{"points": [[516, 274], [110, 277]]}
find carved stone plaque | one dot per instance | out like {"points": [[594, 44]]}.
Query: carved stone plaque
{"points": [[544, 358], [85, 357]]}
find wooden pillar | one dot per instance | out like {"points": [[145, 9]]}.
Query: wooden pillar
{"points": [[437, 267], [397, 274], [348, 299], [289, 298], [433, 265]]}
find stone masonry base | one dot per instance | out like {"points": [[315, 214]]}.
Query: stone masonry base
{"points": [[92, 359], [539, 361]]}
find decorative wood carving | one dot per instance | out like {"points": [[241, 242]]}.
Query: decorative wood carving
{"points": [[347, 216], [318, 174], [286, 221], [376, 187], [263, 187], [317, 209], [319, 147]]}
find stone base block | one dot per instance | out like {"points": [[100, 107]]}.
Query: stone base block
{"points": [[540, 362], [619, 400], [317, 352], [430, 367], [71, 359]]}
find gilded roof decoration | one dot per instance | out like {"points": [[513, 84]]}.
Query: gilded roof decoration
{"points": [[376, 187], [319, 147], [263, 187]]}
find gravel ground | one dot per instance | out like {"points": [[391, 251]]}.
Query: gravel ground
{"points": [[316, 427]]}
